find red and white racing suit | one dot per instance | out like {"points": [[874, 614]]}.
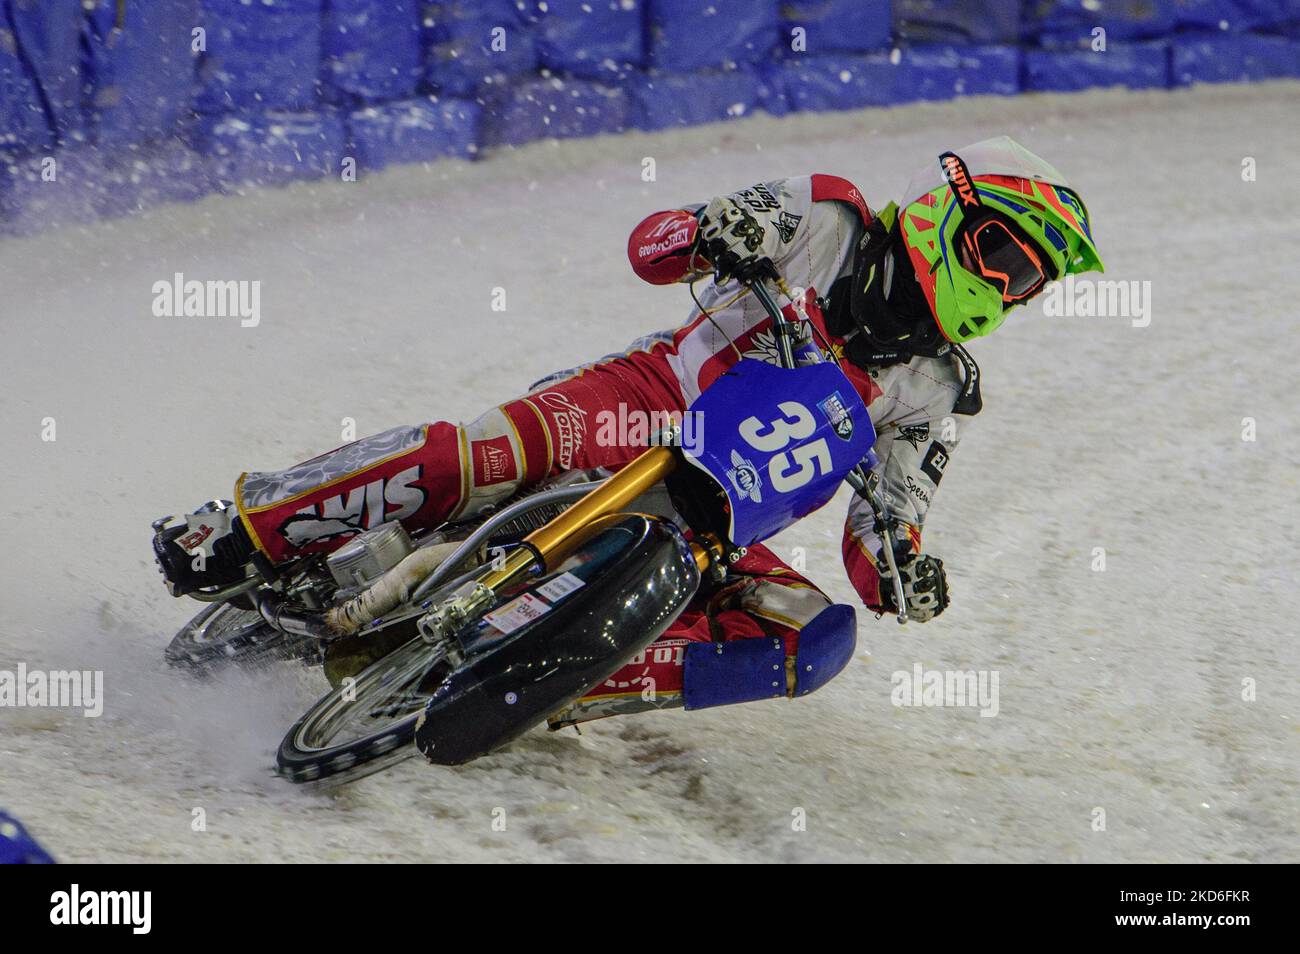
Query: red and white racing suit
{"points": [[426, 474]]}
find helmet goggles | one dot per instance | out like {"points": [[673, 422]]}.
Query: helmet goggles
{"points": [[1000, 252]]}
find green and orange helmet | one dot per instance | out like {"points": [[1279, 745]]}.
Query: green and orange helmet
{"points": [[986, 227]]}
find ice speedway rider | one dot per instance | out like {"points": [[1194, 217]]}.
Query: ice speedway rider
{"points": [[891, 295]]}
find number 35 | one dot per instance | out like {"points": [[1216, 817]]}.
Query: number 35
{"points": [[797, 424]]}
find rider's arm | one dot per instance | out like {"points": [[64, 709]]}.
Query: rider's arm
{"points": [[917, 435], [762, 221]]}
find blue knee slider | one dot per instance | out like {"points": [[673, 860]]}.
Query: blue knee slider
{"points": [[17, 847], [720, 674]]}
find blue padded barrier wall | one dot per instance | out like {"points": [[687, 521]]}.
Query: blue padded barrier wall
{"points": [[184, 97], [931, 71], [818, 83], [371, 49], [413, 130], [24, 124], [1229, 57], [47, 39], [592, 39], [1137, 65], [271, 148], [31, 201], [1235, 15], [1063, 22], [559, 108], [473, 43], [834, 27], [958, 21], [1070, 22], [169, 171], [141, 80], [664, 100], [687, 35], [259, 56], [944, 70]]}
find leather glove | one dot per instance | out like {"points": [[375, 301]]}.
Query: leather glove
{"points": [[925, 585], [732, 239]]}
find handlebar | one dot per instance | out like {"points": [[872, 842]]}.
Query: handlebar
{"points": [[787, 333]]}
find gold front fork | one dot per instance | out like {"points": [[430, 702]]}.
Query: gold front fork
{"points": [[560, 537], [571, 529]]}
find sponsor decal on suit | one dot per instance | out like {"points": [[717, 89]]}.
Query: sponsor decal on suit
{"points": [[362, 508], [914, 434], [786, 225], [936, 459], [570, 425], [494, 461]]}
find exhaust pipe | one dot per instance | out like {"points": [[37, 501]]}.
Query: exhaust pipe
{"points": [[293, 621]]}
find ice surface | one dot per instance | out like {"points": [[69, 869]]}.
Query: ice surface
{"points": [[1119, 690]]}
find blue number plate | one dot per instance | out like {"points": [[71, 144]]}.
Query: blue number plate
{"points": [[778, 441]]}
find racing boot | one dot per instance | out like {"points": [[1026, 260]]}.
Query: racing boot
{"points": [[209, 549]]}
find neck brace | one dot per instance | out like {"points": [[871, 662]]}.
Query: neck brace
{"points": [[888, 311]]}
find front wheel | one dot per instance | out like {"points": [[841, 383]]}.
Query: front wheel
{"points": [[367, 723]]}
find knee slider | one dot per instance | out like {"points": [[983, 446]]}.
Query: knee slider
{"points": [[720, 674], [825, 647], [746, 670]]}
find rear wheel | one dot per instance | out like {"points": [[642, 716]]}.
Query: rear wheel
{"points": [[224, 634]]}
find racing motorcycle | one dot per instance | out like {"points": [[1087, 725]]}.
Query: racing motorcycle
{"points": [[456, 641]]}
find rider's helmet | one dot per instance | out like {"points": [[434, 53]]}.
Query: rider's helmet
{"points": [[985, 228]]}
